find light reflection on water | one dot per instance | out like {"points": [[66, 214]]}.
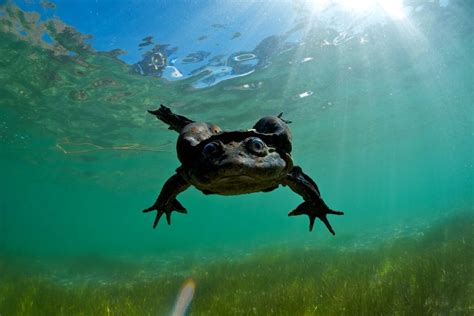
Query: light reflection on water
{"points": [[346, 20]]}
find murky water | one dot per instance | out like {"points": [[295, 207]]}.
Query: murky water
{"points": [[380, 95]]}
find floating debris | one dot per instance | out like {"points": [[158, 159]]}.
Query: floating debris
{"points": [[305, 94], [146, 41], [68, 147], [342, 38], [246, 86], [236, 35], [218, 26], [325, 43]]}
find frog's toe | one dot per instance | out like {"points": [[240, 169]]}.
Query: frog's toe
{"points": [[165, 209], [304, 209], [178, 207], [157, 218], [307, 209]]}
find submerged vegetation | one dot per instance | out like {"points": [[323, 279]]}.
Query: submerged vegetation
{"points": [[431, 273]]}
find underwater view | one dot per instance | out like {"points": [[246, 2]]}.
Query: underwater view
{"points": [[314, 157]]}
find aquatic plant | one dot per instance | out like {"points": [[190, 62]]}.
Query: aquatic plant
{"points": [[431, 273]]}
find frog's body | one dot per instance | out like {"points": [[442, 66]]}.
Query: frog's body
{"points": [[236, 162]]}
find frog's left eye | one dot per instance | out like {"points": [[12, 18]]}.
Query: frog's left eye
{"points": [[256, 145], [212, 149]]}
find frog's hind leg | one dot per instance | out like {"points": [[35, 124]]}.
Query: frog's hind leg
{"points": [[280, 116], [176, 122], [278, 128]]}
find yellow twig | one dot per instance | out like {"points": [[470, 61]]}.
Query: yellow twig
{"points": [[132, 147]]}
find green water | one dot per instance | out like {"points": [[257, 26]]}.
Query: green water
{"points": [[387, 134]]}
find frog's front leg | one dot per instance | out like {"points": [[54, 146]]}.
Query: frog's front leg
{"points": [[313, 204], [166, 201]]}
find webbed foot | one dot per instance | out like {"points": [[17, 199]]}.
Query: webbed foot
{"points": [[314, 211], [165, 209]]}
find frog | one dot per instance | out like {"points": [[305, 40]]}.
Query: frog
{"points": [[216, 161]]}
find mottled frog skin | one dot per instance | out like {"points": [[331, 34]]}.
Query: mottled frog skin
{"points": [[236, 162]]}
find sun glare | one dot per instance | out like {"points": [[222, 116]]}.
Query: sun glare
{"points": [[361, 5], [393, 8]]}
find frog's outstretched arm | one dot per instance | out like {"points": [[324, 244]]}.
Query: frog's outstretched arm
{"points": [[313, 204], [166, 201]]}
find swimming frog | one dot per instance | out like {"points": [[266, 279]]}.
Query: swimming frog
{"points": [[236, 162]]}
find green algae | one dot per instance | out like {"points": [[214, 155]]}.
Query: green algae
{"points": [[428, 274]]}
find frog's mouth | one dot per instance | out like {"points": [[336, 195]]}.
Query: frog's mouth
{"points": [[236, 178], [237, 184]]}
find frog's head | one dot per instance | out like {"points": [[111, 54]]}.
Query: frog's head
{"points": [[237, 162]]}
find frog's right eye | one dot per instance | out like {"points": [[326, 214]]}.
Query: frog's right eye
{"points": [[212, 149]]}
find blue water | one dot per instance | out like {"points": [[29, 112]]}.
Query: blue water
{"points": [[380, 96]]}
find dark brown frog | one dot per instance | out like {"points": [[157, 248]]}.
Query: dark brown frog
{"points": [[236, 162]]}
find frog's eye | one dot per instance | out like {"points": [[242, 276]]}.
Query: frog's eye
{"points": [[212, 149], [256, 145]]}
